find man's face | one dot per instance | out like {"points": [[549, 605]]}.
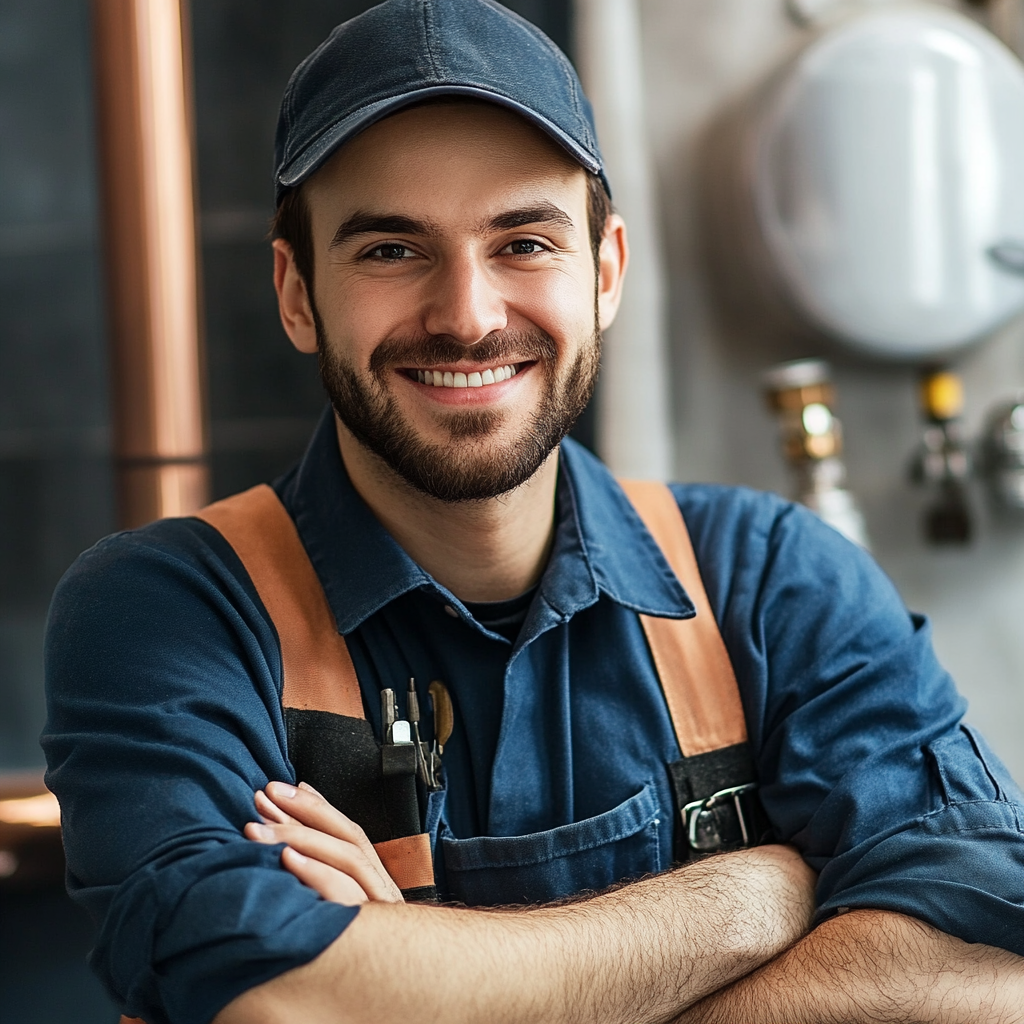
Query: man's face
{"points": [[454, 295]]}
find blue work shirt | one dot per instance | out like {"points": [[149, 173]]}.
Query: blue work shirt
{"points": [[164, 691]]}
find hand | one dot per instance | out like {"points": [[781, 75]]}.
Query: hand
{"points": [[325, 850]]}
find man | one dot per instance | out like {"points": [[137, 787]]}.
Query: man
{"points": [[445, 244]]}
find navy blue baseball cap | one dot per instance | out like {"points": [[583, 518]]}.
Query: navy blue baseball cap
{"points": [[403, 52]]}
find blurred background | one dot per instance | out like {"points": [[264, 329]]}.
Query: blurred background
{"points": [[742, 155]]}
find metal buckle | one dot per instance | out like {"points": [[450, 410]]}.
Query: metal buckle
{"points": [[693, 812]]}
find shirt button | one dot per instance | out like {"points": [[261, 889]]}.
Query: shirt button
{"points": [[451, 611]]}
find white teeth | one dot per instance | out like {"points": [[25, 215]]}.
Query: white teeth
{"points": [[477, 379]]}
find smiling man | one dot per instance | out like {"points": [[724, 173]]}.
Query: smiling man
{"points": [[237, 699]]}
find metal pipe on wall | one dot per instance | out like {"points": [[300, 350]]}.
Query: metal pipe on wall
{"points": [[634, 421], [144, 112]]}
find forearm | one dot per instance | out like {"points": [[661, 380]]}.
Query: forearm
{"points": [[871, 966], [640, 953]]}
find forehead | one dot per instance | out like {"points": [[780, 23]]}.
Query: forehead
{"points": [[447, 158]]}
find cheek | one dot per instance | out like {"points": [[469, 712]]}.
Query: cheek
{"points": [[358, 315], [562, 304]]}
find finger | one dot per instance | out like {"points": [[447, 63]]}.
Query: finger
{"points": [[332, 884], [269, 811], [307, 806], [336, 853], [346, 857]]}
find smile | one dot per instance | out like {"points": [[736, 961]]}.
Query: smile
{"points": [[476, 379]]}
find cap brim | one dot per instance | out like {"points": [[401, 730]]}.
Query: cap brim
{"points": [[300, 167]]}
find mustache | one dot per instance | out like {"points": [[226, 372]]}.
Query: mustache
{"points": [[506, 346]]}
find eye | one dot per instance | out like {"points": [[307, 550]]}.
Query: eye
{"points": [[390, 251], [524, 247]]}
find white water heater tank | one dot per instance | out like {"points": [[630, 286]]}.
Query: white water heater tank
{"points": [[888, 177]]}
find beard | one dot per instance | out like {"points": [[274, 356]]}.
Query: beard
{"points": [[473, 464]]}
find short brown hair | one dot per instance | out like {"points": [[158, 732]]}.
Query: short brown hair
{"points": [[292, 224]]}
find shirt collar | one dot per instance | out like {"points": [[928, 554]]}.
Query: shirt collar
{"points": [[625, 559], [600, 543]]}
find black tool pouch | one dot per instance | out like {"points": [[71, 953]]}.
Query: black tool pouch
{"points": [[398, 781], [374, 784], [719, 806]]}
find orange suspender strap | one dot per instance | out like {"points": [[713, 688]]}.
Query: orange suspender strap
{"points": [[715, 782], [317, 670], [693, 665]]}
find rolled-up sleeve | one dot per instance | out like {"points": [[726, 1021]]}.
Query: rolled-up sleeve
{"points": [[164, 717], [865, 761], [959, 866]]}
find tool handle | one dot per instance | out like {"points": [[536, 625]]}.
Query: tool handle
{"points": [[413, 703], [444, 714], [388, 711]]}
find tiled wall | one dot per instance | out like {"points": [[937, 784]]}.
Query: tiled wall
{"points": [[55, 484]]}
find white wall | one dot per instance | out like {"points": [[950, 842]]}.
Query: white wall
{"points": [[699, 55]]}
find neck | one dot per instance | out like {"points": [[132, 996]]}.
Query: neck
{"points": [[488, 550]]}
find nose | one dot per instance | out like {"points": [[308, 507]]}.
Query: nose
{"points": [[463, 302]]}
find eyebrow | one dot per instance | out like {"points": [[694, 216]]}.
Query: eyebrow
{"points": [[542, 213], [363, 222]]}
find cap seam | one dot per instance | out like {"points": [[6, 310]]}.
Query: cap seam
{"points": [[563, 62], [428, 39]]}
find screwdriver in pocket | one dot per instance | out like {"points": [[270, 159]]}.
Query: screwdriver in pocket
{"points": [[423, 763]]}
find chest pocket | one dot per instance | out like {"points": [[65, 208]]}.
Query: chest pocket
{"points": [[590, 855], [332, 746]]}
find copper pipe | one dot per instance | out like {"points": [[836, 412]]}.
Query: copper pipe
{"points": [[144, 109]]}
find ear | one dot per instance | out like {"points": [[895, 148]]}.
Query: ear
{"points": [[612, 262], [292, 299]]}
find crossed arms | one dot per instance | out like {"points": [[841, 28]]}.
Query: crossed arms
{"points": [[722, 940], [156, 746]]}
